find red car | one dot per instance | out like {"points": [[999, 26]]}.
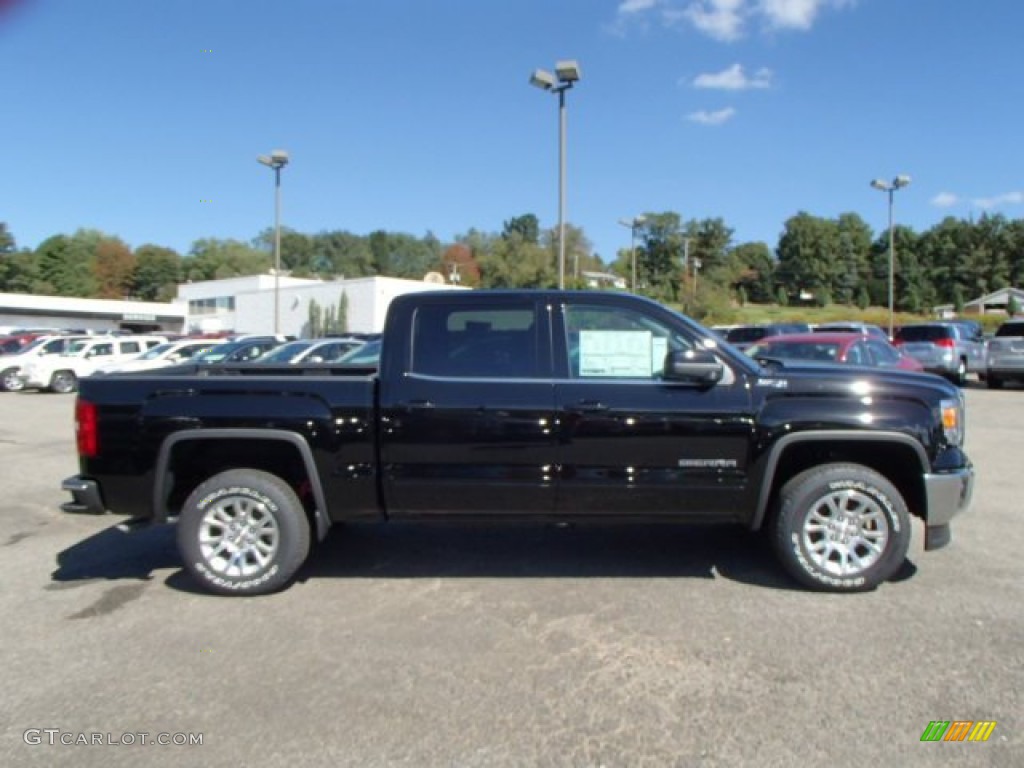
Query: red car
{"points": [[848, 348]]}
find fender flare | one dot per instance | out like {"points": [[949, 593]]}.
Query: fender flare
{"points": [[818, 436], [161, 472]]}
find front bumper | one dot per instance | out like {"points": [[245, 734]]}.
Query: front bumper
{"points": [[948, 494], [85, 497]]}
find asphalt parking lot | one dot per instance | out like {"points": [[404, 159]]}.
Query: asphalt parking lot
{"points": [[509, 646]]}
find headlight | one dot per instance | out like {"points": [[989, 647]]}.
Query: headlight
{"points": [[952, 415]]}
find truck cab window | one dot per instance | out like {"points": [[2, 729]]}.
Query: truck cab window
{"points": [[619, 343], [475, 342]]}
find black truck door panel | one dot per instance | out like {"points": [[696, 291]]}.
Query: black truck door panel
{"points": [[633, 443], [469, 428]]}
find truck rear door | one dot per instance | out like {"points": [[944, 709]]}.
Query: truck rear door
{"points": [[467, 417]]}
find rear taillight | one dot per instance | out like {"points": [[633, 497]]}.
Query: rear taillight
{"points": [[86, 429], [945, 343], [897, 342]]}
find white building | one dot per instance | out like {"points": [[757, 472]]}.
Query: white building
{"points": [[246, 304], [23, 310]]}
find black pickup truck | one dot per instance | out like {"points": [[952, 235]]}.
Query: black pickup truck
{"points": [[547, 406]]}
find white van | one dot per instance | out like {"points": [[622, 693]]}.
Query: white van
{"points": [[60, 373]]}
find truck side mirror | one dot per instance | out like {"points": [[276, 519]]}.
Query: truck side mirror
{"points": [[696, 366]]}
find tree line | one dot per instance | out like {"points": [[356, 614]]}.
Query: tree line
{"points": [[695, 263]]}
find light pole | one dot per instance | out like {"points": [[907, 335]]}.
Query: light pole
{"points": [[277, 160], [566, 75], [633, 223], [890, 187]]}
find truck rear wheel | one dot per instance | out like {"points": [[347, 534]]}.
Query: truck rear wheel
{"points": [[841, 528], [243, 532]]}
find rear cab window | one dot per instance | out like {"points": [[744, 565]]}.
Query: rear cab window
{"points": [[476, 341]]}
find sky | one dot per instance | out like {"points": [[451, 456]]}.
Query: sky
{"points": [[144, 118]]}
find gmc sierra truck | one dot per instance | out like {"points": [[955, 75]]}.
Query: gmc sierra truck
{"points": [[546, 406]]}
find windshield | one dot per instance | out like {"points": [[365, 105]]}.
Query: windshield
{"points": [[1011, 329], [923, 333], [368, 354], [156, 352], [286, 352]]}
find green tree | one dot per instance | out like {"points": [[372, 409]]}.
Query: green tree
{"points": [[157, 273], [853, 248], [807, 254], [526, 227], [214, 259], [7, 244], [752, 268], [341, 253]]}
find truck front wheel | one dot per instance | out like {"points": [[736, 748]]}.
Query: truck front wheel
{"points": [[841, 528], [243, 532]]}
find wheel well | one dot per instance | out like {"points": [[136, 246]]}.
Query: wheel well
{"points": [[191, 462], [898, 463]]}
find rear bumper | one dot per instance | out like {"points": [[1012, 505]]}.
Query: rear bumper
{"points": [[948, 494], [85, 497]]}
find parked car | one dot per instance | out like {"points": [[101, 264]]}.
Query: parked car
{"points": [[948, 349], [742, 336], [61, 373], [845, 348], [368, 354], [241, 350], [1004, 357], [14, 343], [310, 351], [852, 326], [11, 365], [161, 356]]}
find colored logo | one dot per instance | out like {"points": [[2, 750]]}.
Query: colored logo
{"points": [[958, 730]]}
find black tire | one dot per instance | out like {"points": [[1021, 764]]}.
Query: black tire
{"points": [[10, 381], [63, 382], [243, 532], [815, 543], [993, 382], [960, 377]]}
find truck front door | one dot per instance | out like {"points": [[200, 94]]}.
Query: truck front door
{"points": [[632, 443]]}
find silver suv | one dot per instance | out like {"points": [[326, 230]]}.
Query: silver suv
{"points": [[952, 350], [1005, 356]]}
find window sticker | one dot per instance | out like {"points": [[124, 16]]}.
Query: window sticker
{"points": [[617, 353]]}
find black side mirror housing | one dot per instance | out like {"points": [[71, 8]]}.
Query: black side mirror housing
{"points": [[694, 366]]}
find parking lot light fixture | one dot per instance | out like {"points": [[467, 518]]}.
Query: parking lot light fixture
{"points": [[276, 160], [890, 188], [566, 74], [633, 223]]}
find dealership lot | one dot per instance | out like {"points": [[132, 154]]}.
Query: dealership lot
{"points": [[503, 646]]}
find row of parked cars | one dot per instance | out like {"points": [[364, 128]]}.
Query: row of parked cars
{"points": [[56, 362], [953, 349]]}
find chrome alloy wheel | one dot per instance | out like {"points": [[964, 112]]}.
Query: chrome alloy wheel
{"points": [[845, 533], [238, 537]]}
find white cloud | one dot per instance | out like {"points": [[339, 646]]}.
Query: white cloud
{"points": [[636, 6], [727, 20], [703, 117], [945, 200], [734, 79], [720, 19], [988, 203]]}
